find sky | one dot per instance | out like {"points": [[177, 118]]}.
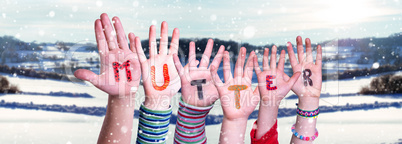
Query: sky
{"points": [[253, 21]]}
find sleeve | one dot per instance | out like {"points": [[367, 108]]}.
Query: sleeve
{"points": [[271, 137], [153, 125], [190, 125]]}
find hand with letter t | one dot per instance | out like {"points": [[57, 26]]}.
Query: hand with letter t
{"points": [[237, 98], [197, 87]]}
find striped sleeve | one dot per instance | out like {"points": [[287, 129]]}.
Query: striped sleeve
{"points": [[190, 124], [153, 125]]}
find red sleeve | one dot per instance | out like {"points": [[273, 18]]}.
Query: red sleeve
{"points": [[271, 137]]}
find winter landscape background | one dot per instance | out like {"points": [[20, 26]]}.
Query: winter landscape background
{"points": [[42, 45]]}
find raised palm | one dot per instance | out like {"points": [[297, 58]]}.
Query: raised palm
{"points": [[272, 84], [160, 77], [310, 81], [120, 69], [192, 76], [242, 104]]}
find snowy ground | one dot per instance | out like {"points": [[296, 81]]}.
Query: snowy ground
{"points": [[27, 126], [30, 126]]}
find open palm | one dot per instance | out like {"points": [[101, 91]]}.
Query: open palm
{"points": [[160, 77], [191, 75], [120, 72], [271, 81], [242, 106], [309, 84]]}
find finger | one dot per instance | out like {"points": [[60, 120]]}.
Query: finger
{"points": [[109, 32], [215, 76], [309, 50], [265, 65], [152, 41], [318, 60], [218, 57], [256, 91], [164, 39], [256, 66], [174, 44], [207, 53], [281, 63], [87, 75], [300, 49], [178, 65], [248, 70], [101, 43], [238, 71], [292, 56], [227, 74], [121, 35], [273, 58], [191, 55], [131, 38], [293, 79], [140, 51], [286, 77]]}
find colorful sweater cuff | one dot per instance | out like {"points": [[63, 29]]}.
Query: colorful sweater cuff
{"points": [[153, 125], [271, 137], [190, 125]]}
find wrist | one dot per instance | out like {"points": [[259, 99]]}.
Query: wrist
{"points": [[157, 103], [121, 101], [123, 94], [235, 120], [205, 102], [184, 104], [310, 103], [233, 130], [271, 101]]}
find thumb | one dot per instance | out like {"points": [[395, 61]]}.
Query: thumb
{"points": [[256, 91], [86, 75], [294, 78], [178, 65], [215, 76], [256, 96]]}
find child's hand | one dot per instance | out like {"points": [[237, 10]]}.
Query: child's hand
{"points": [[237, 97], [120, 69], [197, 87], [273, 88], [238, 100], [161, 80], [272, 84], [308, 85], [119, 76]]}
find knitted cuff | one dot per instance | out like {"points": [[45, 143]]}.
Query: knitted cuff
{"points": [[190, 125], [153, 125]]}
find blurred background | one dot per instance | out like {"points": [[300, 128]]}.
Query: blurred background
{"points": [[43, 42]]}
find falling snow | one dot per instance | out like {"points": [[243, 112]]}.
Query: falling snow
{"points": [[256, 23], [376, 65], [249, 32], [99, 3], [52, 14], [213, 17]]}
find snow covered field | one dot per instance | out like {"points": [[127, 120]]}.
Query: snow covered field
{"points": [[27, 126], [31, 126]]}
